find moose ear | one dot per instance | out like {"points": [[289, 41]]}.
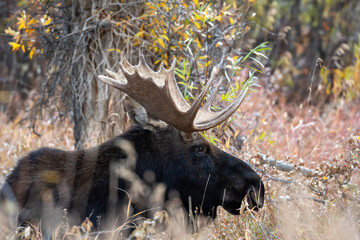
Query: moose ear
{"points": [[139, 115]]}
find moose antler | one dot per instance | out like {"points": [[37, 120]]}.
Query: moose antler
{"points": [[159, 94]]}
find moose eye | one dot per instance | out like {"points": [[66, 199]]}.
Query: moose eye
{"points": [[199, 149]]}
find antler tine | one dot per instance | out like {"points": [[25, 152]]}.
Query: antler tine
{"points": [[197, 104], [208, 119], [213, 95], [143, 68], [142, 61], [172, 68], [125, 65], [161, 68], [117, 82]]}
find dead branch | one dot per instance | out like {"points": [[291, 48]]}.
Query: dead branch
{"points": [[286, 167]]}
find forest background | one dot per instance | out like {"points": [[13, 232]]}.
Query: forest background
{"points": [[300, 126]]}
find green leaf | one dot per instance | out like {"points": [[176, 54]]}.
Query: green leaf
{"points": [[262, 135], [253, 50]]}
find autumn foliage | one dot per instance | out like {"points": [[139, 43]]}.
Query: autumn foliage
{"points": [[306, 112], [26, 36]]}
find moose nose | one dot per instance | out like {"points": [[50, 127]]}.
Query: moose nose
{"points": [[255, 197]]}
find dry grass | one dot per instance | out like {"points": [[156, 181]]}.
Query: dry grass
{"points": [[322, 206]]}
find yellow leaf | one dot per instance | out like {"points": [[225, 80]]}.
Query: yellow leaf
{"points": [[227, 144], [32, 21], [202, 57], [197, 17], [231, 21], [165, 37], [15, 46], [196, 2], [21, 22], [208, 63], [110, 49], [227, 7], [186, 36], [197, 25], [48, 21], [198, 42], [165, 62], [32, 52], [10, 31], [144, 16], [23, 48], [161, 42], [140, 34], [324, 178], [136, 42]]}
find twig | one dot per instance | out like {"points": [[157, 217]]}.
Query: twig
{"points": [[286, 167], [260, 224], [318, 63]]}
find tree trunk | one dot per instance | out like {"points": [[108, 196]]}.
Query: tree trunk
{"points": [[91, 101]]}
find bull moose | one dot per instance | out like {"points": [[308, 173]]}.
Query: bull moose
{"points": [[164, 147]]}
